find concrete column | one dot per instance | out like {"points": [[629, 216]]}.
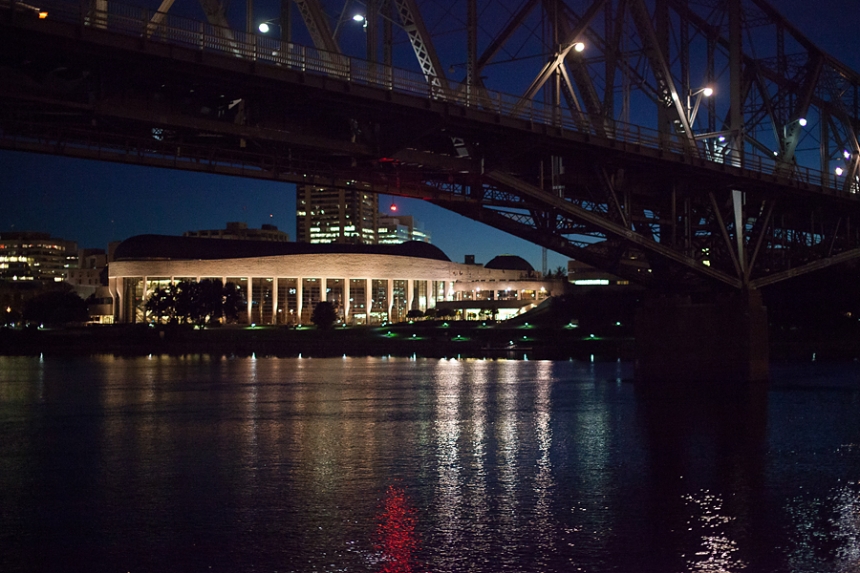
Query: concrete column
{"points": [[368, 296], [275, 300], [346, 305], [116, 286], [410, 294], [390, 295], [250, 294], [299, 300], [143, 298], [323, 294], [712, 343]]}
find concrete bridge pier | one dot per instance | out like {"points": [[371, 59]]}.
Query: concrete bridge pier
{"points": [[678, 341]]}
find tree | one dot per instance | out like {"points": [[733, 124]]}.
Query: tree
{"points": [[161, 304], [56, 308], [186, 302], [445, 313], [211, 299], [205, 302], [324, 315], [233, 302], [560, 273], [414, 313]]}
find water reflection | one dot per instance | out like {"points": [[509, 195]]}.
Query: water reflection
{"points": [[705, 473], [717, 552], [396, 542], [449, 499], [825, 531], [367, 464]]}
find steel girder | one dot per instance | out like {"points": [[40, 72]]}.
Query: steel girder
{"points": [[679, 216]]}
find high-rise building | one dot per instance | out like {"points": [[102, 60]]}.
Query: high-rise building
{"points": [[26, 255], [394, 229], [335, 215]]}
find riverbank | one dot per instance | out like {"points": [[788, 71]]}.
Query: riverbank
{"points": [[424, 338]]}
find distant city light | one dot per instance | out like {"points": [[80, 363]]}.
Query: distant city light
{"points": [[393, 207]]}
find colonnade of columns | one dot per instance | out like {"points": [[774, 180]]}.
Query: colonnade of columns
{"points": [[126, 313]]}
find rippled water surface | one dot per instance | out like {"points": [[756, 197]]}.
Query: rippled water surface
{"points": [[398, 465]]}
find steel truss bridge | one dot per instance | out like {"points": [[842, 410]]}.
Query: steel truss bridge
{"points": [[690, 145]]}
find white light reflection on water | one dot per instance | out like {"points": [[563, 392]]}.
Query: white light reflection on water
{"points": [[847, 525], [446, 429], [479, 380], [544, 483], [717, 551], [825, 532], [507, 438]]}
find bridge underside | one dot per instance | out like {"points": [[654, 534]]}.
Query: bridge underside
{"points": [[646, 212]]}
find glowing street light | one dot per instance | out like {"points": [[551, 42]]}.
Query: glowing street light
{"points": [[839, 171], [358, 18], [802, 121], [693, 110], [578, 47]]}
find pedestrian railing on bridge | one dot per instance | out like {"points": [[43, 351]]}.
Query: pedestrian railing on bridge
{"points": [[180, 31]]}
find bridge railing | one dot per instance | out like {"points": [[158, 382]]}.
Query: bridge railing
{"points": [[177, 30]]}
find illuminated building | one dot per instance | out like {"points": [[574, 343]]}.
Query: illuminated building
{"points": [[394, 229], [34, 256], [335, 215], [282, 282]]}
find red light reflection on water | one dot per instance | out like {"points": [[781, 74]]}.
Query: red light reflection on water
{"points": [[395, 533]]}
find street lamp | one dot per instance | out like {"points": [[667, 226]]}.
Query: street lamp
{"points": [[692, 110], [266, 27]]}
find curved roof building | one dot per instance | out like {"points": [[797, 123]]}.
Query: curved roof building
{"points": [[283, 281]]}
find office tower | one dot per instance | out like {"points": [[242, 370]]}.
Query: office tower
{"points": [[326, 215]]}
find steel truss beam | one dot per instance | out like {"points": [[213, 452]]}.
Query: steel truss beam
{"points": [[665, 193]]}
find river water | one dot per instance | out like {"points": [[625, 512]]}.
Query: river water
{"points": [[417, 465]]}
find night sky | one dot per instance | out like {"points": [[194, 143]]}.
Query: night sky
{"points": [[94, 203]]}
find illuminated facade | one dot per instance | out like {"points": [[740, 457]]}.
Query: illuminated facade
{"points": [[282, 282], [33, 256], [393, 229], [335, 215]]}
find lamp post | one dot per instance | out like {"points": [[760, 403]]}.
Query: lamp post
{"points": [[693, 109], [283, 22]]}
